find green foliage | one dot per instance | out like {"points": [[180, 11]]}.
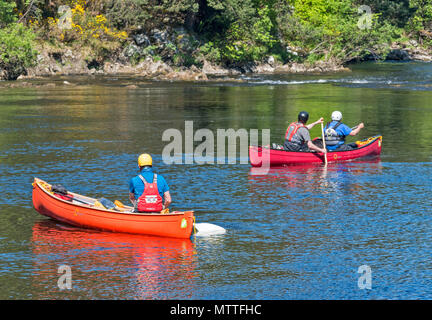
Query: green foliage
{"points": [[181, 59], [226, 31], [249, 41], [211, 52], [328, 29], [7, 12], [420, 23], [147, 14], [396, 13], [16, 50], [218, 15]]}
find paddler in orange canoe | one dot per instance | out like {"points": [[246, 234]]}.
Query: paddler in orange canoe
{"points": [[297, 137], [148, 191]]}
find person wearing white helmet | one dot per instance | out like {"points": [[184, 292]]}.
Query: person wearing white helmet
{"points": [[335, 133]]}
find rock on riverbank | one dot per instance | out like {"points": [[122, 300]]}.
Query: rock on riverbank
{"points": [[68, 63], [156, 55]]}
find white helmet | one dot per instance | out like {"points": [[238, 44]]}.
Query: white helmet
{"points": [[336, 116]]}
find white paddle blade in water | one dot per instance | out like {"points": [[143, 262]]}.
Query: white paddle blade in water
{"points": [[208, 229]]}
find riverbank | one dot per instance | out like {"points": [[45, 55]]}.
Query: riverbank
{"points": [[72, 61], [194, 41], [67, 62]]}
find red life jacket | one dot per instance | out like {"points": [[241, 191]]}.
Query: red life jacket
{"points": [[150, 200], [292, 130]]}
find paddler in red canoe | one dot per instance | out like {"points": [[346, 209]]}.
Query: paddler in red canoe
{"points": [[335, 132], [148, 191], [297, 137]]}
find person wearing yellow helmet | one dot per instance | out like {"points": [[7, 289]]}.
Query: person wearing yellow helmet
{"points": [[145, 160], [148, 191]]}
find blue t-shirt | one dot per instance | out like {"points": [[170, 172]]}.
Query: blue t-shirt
{"points": [[343, 130], [136, 186]]}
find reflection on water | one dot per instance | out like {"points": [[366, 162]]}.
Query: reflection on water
{"points": [[111, 264], [333, 178], [336, 180]]}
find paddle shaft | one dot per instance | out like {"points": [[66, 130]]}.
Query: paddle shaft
{"points": [[75, 199], [81, 201], [61, 190], [324, 144]]}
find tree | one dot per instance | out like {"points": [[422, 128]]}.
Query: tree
{"points": [[420, 23], [396, 13], [7, 12], [16, 50], [328, 29], [148, 14]]}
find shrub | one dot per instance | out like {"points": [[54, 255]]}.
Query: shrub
{"points": [[81, 27], [148, 14], [16, 50], [211, 52], [249, 42], [420, 23], [7, 13], [328, 29]]}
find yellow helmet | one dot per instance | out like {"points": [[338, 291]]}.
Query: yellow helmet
{"points": [[145, 160]]}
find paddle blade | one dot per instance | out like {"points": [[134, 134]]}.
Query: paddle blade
{"points": [[208, 229]]}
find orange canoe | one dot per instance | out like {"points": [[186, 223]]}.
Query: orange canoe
{"points": [[175, 224]]}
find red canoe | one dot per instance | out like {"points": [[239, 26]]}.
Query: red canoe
{"points": [[277, 158], [175, 224]]}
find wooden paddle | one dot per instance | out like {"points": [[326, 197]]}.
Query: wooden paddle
{"points": [[95, 204], [324, 145], [76, 199]]}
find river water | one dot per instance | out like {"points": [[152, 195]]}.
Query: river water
{"points": [[296, 233]]}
